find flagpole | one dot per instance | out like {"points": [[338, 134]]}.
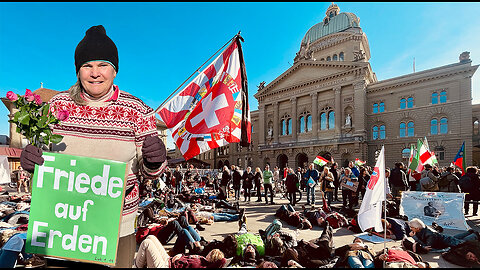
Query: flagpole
{"points": [[237, 35], [385, 213]]}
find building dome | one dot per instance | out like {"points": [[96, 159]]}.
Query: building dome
{"points": [[333, 22]]}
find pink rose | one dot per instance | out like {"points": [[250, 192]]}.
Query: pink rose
{"points": [[12, 96], [38, 99], [62, 115], [29, 95]]}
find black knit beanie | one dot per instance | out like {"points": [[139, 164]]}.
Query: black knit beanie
{"points": [[96, 45]]}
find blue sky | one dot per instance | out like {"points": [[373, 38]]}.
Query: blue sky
{"points": [[161, 44]]}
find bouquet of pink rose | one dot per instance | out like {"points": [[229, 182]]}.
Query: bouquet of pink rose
{"points": [[34, 118]]}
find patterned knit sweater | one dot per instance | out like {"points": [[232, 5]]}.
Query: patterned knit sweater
{"points": [[112, 128]]}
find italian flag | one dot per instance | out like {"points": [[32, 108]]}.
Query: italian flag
{"points": [[320, 161], [415, 164], [359, 163], [426, 156], [410, 160]]}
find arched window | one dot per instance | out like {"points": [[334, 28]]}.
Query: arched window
{"points": [[406, 154], [323, 59], [331, 120], [410, 102], [328, 58], [411, 129], [302, 124], [309, 123], [403, 103], [444, 125], [340, 56], [375, 108], [375, 133], [382, 132], [335, 57], [440, 152], [434, 126], [434, 98], [443, 97], [381, 107], [323, 121], [283, 127], [403, 130], [476, 127], [289, 126]]}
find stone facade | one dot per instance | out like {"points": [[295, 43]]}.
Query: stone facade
{"points": [[347, 113]]}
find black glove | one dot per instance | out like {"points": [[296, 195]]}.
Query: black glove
{"points": [[153, 152], [30, 156]]}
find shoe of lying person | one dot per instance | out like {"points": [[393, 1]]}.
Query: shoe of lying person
{"points": [[437, 227], [35, 261]]}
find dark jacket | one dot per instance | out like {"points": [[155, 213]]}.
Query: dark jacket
{"points": [[248, 179], [453, 183], [225, 178], [291, 183], [429, 237], [178, 176], [257, 179], [398, 178], [399, 228], [237, 179], [456, 255]]}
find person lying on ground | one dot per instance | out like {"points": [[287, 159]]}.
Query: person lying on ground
{"points": [[152, 254], [432, 240], [356, 255], [187, 237], [466, 254], [396, 257], [397, 229]]}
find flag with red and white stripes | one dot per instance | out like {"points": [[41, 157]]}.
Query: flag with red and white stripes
{"points": [[212, 110]]}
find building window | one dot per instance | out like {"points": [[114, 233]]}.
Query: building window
{"points": [[375, 108], [381, 107], [302, 124], [410, 102], [323, 121], [289, 126], [375, 133], [440, 152], [382, 132], [323, 59], [309, 123], [443, 97], [340, 56], [434, 98], [411, 129], [434, 127], [335, 57], [331, 120], [283, 124], [403, 103], [406, 154], [476, 127], [444, 125], [328, 58], [403, 130]]}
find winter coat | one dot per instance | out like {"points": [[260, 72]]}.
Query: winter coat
{"points": [[456, 255], [225, 178], [237, 179], [453, 183], [429, 237], [291, 183], [248, 180], [324, 178], [398, 178]]}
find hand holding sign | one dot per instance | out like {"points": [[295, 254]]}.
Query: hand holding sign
{"points": [[153, 152]]}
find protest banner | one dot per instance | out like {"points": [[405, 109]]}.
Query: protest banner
{"points": [[76, 208], [444, 208]]}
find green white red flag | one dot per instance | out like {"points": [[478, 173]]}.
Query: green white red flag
{"points": [[320, 161], [359, 163]]}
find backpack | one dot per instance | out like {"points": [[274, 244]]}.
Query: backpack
{"points": [[427, 184], [465, 183], [443, 181], [274, 227]]}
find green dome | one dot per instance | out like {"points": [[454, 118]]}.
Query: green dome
{"points": [[338, 23]]}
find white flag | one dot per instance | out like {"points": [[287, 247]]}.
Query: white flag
{"points": [[370, 213], [4, 170]]}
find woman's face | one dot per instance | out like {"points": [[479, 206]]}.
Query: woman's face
{"points": [[471, 257], [97, 78]]}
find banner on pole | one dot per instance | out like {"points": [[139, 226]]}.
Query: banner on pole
{"points": [[76, 208], [444, 208]]}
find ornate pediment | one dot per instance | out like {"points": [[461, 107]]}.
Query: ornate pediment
{"points": [[309, 72]]}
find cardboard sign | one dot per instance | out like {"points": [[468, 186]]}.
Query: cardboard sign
{"points": [[352, 185], [76, 208]]}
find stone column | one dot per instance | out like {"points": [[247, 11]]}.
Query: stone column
{"points": [[276, 123], [314, 115], [293, 100], [338, 111], [359, 117], [261, 124]]}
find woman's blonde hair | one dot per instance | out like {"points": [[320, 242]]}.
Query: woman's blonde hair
{"points": [[215, 255], [75, 93]]}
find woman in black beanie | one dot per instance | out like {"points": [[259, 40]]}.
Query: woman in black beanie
{"points": [[108, 123]]}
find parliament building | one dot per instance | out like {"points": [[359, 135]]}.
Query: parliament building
{"points": [[330, 103]]}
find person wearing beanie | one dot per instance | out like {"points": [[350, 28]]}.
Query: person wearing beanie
{"points": [[107, 123]]}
